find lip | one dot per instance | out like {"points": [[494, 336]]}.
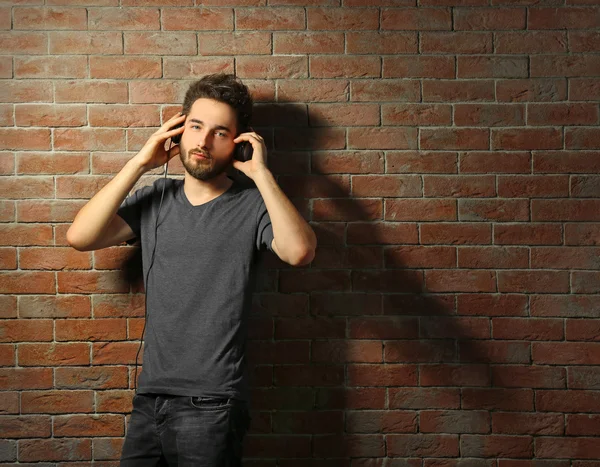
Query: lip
{"points": [[200, 156]]}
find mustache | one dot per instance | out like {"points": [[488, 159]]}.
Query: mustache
{"points": [[203, 153]]}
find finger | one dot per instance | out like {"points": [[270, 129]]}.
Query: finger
{"points": [[172, 121], [174, 151]]}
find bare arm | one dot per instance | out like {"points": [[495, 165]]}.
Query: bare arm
{"points": [[96, 225], [294, 240]]}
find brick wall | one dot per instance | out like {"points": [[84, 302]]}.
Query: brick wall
{"points": [[447, 154]]}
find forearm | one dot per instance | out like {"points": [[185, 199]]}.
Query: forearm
{"points": [[92, 220], [294, 238]]}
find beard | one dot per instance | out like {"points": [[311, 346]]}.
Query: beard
{"points": [[202, 169]]}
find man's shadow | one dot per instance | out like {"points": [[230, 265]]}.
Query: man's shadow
{"points": [[345, 352]]}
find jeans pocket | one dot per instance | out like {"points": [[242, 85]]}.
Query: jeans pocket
{"points": [[209, 403]]}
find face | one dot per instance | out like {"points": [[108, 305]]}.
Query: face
{"points": [[206, 147]]}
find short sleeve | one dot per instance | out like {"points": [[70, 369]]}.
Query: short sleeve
{"points": [[264, 237], [131, 209]]}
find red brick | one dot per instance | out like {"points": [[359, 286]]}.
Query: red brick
{"points": [[529, 42], [458, 91], [533, 281], [82, 139], [341, 351], [343, 66], [421, 162], [378, 42], [337, 257], [347, 162], [565, 210], [567, 401], [527, 423], [7, 355], [424, 398], [454, 421], [458, 186], [24, 235], [49, 18], [492, 305], [565, 258], [527, 138], [91, 377], [27, 187], [90, 91], [456, 42], [387, 281], [313, 90], [307, 43], [454, 375], [90, 329], [584, 41], [585, 186], [382, 375], [528, 234], [339, 209], [460, 281], [33, 450], [25, 138], [494, 352], [329, 233], [75, 42], [24, 42], [489, 115], [88, 425], [25, 378], [65, 66], [420, 210], [386, 185], [528, 376], [455, 233], [56, 163], [422, 445], [307, 328], [563, 18], [533, 186], [161, 44], [382, 233], [9, 404], [115, 401], [585, 282], [498, 399], [489, 19], [307, 422], [564, 65], [567, 448], [562, 114], [124, 18], [382, 138], [416, 19], [57, 401], [582, 234], [27, 426], [343, 19], [371, 421], [53, 354], [50, 115], [26, 91], [194, 19], [497, 446], [343, 114], [498, 210], [235, 43], [91, 282], [416, 114], [584, 162], [527, 329], [492, 257], [566, 353], [584, 89], [269, 19], [410, 351], [299, 281], [418, 66], [124, 68], [8, 258], [54, 258], [582, 425], [582, 138], [420, 257], [531, 90], [272, 67], [491, 67], [27, 283], [390, 90], [565, 306], [322, 375]]}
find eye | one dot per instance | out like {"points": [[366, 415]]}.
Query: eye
{"points": [[195, 126], [221, 134]]}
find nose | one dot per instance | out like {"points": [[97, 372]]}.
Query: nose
{"points": [[203, 139]]}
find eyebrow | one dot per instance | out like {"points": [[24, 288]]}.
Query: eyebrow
{"points": [[218, 127]]}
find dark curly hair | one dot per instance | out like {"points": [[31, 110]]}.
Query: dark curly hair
{"points": [[224, 88]]}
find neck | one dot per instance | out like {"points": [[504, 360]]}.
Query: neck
{"points": [[201, 191]]}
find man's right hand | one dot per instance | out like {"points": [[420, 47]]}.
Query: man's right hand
{"points": [[154, 154]]}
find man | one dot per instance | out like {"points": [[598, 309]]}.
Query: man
{"points": [[199, 238]]}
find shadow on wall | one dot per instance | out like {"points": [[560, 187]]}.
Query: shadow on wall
{"points": [[353, 356]]}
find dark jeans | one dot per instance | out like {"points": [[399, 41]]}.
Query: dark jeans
{"points": [[184, 431]]}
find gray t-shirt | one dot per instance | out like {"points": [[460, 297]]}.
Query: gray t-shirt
{"points": [[199, 290]]}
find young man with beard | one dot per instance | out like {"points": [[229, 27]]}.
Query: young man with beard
{"points": [[198, 261]]}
